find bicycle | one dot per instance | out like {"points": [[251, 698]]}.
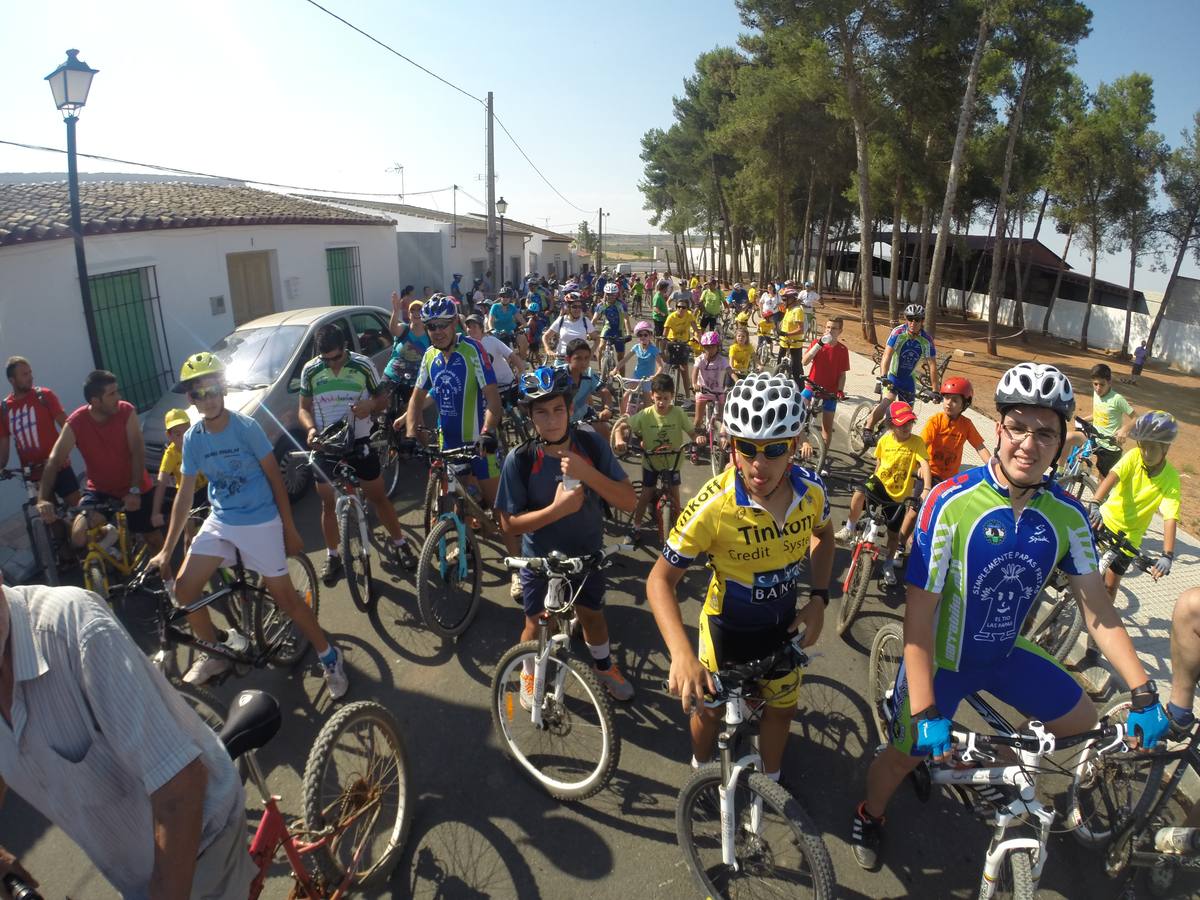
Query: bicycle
{"points": [[1077, 476], [733, 823], [1118, 803], [515, 427], [814, 410], [42, 541], [350, 511], [608, 355], [356, 797], [870, 545], [766, 354], [922, 377], [857, 436], [1012, 865], [631, 397], [99, 558], [715, 440], [661, 502], [448, 565], [385, 440], [1056, 619], [876, 358], [568, 744]]}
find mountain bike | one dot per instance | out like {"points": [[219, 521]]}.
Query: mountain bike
{"points": [[448, 567], [661, 503], [1056, 620], [385, 439], [608, 354], [870, 544], [741, 832], [1078, 474], [859, 438], [982, 770], [561, 732], [922, 377], [631, 398], [810, 426], [716, 442], [1125, 805], [766, 354], [876, 358], [515, 427], [350, 511], [45, 545]]}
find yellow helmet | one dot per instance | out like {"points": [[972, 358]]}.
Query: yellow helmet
{"points": [[197, 366], [176, 417], [416, 304]]}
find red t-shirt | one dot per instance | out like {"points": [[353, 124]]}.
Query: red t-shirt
{"points": [[105, 450], [828, 365], [30, 422]]}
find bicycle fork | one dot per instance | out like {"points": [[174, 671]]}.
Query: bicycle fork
{"points": [[731, 771], [1026, 805], [547, 646]]}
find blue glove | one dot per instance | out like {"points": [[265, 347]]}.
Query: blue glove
{"points": [[1149, 723], [933, 735]]}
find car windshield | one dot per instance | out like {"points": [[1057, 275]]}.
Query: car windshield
{"points": [[254, 357]]}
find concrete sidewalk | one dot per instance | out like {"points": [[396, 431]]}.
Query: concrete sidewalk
{"points": [[1146, 605]]}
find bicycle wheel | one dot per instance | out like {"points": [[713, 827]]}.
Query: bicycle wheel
{"points": [[43, 550], [1082, 487], [858, 422], [430, 505], [211, 710], [576, 750], [816, 440], [1015, 878], [95, 579], [718, 456], [273, 628], [1110, 789], [887, 652], [356, 783], [778, 848], [389, 458], [447, 600], [1056, 623], [356, 558], [860, 580]]}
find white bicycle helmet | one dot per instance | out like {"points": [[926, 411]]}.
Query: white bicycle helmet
{"points": [[764, 407], [1036, 384], [914, 310], [610, 288]]}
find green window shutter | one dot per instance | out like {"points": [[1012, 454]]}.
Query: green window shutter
{"points": [[125, 306], [345, 278]]}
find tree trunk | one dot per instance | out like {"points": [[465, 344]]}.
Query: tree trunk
{"points": [[897, 252], [806, 236], [956, 159], [1037, 229], [866, 221], [1134, 242], [1162, 307], [1057, 282], [1091, 297], [1014, 129], [1019, 300], [926, 230]]}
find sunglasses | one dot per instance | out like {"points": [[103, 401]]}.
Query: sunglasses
{"points": [[439, 324], [201, 394], [333, 357], [913, 319], [772, 450]]}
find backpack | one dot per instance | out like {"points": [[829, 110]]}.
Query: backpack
{"points": [[590, 443]]}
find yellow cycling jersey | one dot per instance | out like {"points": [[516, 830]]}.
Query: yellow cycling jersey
{"points": [[1137, 496], [756, 563]]}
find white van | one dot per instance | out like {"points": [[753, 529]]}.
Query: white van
{"points": [[621, 269]]}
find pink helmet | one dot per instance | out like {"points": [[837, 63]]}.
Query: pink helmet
{"points": [[643, 326], [710, 339]]}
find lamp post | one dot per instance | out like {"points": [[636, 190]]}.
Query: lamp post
{"points": [[501, 209], [70, 84]]}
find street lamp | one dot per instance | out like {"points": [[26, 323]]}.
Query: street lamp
{"points": [[70, 84], [501, 209]]}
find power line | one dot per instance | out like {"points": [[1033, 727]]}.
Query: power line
{"points": [[521, 150], [395, 52], [175, 171]]}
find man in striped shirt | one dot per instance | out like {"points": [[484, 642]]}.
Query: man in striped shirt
{"points": [[96, 740]]}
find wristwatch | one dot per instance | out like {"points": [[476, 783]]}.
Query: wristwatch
{"points": [[1144, 695], [820, 592], [135, 490], [929, 712]]}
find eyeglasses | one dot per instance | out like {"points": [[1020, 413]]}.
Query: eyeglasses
{"points": [[333, 357], [200, 394], [438, 324], [772, 450], [1043, 437]]}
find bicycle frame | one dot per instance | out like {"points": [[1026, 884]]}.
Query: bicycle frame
{"points": [[872, 536], [456, 504], [738, 715]]}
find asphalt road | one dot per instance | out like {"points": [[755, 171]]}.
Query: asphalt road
{"points": [[480, 829]]}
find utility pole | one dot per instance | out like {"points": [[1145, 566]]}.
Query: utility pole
{"points": [[599, 242], [491, 188]]}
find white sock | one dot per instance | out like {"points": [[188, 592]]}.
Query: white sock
{"points": [[599, 651], [695, 763], [332, 554]]}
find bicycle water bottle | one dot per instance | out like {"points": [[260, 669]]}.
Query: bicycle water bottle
{"points": [[109, 538], [1177, 840], [19, 889]]}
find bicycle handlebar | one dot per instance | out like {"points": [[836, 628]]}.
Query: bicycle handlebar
{"points": [[560, 564], [1118, 541], [977, 747], [785, 659]]}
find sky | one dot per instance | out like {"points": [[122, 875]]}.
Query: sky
{"points": [[278, 91]]}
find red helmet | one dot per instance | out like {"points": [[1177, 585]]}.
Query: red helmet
{"points": [[960, 386]]}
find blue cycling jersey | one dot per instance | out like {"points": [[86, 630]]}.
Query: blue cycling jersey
{"points": [[612, 320], [407, 351], [504, 318]]}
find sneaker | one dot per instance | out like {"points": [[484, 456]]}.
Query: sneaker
{"points": [[335, 676], [236, 641], [404, 556], [206, 668], [888, 573], [614, 681], [866, 836], [868, 437], [845, 534], [514, 587], [331, 571], [526, 691]]}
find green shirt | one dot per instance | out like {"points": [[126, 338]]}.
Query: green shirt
{"points": [[660, 307], [711, 301], [672, 430], [1108, 412]]}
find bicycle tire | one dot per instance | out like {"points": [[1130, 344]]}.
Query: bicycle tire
{"points": [[854, 433], [887, 651], [358, 792], [437, 572], [356, 558], [429, 506], [755, 853], [665, 515], [43, 550], [612, 438], [718, 457], [853, 599], [1056, 630], [274, 629], [1138, 777], [816, 438], [1082, 487], [561, 720], [389, 459], [96, 580], [1016, 878]]}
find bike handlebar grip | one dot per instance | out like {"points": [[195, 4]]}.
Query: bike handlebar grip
{"points": [[19, 888]]}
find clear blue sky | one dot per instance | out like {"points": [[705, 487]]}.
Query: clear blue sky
{"points": [[279, 91]]}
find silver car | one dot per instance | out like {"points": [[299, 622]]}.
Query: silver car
{"points": [[263, 359]]}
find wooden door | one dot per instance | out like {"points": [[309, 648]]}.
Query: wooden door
{"points": [[250, 290]]}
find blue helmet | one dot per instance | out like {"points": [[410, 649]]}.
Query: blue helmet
{"points": [[535, 307], [544, 381], [439, 306]]}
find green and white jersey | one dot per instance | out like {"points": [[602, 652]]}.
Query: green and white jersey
{"points": [[333, 392]]}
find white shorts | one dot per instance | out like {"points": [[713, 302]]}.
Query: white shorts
{"points": [[261, 546]]}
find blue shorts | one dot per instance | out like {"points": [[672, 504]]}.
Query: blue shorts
{"points": [[533, 591], [828, 405], [904, 386], [618, 343], [1028, 679]]}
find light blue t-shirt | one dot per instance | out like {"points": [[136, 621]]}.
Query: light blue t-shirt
{"points": [[646, 360], [504, 318], [238, 490]]}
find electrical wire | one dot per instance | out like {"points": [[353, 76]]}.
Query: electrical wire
{"points": [[521, 150]]}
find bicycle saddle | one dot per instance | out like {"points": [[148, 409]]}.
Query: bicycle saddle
{"points": [[253, 720]]}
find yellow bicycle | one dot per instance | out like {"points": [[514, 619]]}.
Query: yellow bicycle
{"points": [[107, 551]]}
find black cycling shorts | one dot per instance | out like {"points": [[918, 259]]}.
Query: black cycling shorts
{"points": [[679, 353], [893, 511]]}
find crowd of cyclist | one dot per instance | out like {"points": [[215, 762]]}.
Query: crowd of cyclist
{"points": [[984, 541]]}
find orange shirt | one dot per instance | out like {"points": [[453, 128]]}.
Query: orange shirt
{"points": [[945, 438]]}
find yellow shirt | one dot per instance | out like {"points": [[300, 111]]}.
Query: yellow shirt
{"points": [[679, 325], [793, 320], [694, 283], [1135, 499], [752, 295], [898, 463], [740, 356], [172, 464]]}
